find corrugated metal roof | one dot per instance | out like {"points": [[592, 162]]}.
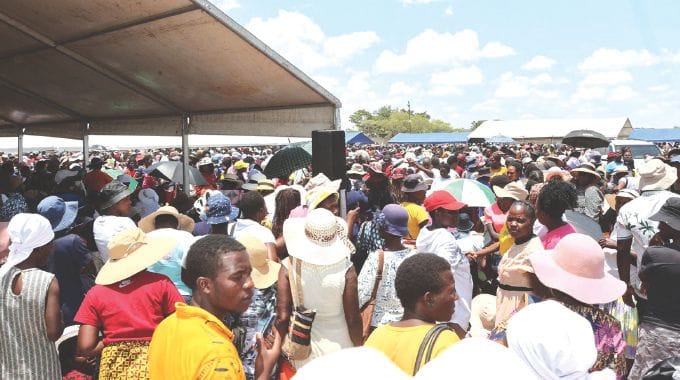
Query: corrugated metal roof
{"points": [[429, 138], [549, 128], [140, 67], [357, 138], [656, 134]]}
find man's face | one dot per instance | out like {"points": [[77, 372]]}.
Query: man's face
{"points": [[495, 161], [444, 171], [232, 288], [627, 156], [512, 173]]}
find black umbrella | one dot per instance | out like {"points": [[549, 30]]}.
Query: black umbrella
{"points": [[172, 171], [585, 138], [286, 161], [584, 224]]}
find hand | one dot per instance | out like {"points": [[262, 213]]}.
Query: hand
{"points": [[472, 256], [603, 242], [268, 352], [657, 239], [628, 297], [352, 215]]}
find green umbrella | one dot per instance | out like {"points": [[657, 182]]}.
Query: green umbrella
{"points": [[471, 192], [114, 173]]}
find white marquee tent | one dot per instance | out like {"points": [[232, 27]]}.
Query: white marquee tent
{"points": [[551, 130]]}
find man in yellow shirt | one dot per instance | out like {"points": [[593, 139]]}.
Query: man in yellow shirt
{"points": [[194, 343], [495, 164], [414, 190]]}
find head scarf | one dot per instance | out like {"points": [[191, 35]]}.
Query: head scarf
{"points": [[26, 233], [553, 340]]}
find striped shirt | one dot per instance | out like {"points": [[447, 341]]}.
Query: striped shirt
{"points": [[25, 350]]}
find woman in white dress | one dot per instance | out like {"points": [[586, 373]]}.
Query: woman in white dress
{"points": [[329, 282]]}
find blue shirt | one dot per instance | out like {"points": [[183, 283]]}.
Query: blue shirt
{"points": [[66, 262]]}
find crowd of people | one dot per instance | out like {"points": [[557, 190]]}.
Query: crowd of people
{"points": [[514, 261]]}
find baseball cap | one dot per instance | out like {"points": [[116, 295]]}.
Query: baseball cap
{"points": [[442, 199]]}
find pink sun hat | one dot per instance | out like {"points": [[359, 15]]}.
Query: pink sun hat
{"points": [[576, 267]]}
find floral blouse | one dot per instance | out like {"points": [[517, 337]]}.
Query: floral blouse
{"points": [[387, 306]]}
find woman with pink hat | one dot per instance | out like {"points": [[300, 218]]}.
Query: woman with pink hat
{"points": [[573, 273]]}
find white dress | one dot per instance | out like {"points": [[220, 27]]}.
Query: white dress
{"points": [[323, 287]]}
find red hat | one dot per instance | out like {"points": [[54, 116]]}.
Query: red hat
{"points": [[612, 155], [442, 199], [398, 173]]}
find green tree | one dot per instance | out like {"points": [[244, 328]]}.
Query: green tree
{"points": [[387, 122], [475, 124]]}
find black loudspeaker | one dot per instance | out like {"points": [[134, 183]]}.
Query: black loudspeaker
{"points": [[328, 154]]}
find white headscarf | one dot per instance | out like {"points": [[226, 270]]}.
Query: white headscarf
{"points": [[554, 341], [26, 233]]}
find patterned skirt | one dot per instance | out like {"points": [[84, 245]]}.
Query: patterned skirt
{"points": [[125, 360], [628, 317]]}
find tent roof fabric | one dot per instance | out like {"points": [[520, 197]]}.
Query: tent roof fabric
{"points": [[141, 67], [551, 128], [429, 138], [357, 138], [656, 134]]}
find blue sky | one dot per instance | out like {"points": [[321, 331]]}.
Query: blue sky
{"points": [[464, 61]]}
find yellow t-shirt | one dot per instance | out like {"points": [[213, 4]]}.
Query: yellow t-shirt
{"points": [[401, 344], [505, 239], [193, 344], [416, 216], [501, 170]]}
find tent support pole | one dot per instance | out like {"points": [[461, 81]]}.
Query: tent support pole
{"points": [[86, 144], [185, 154], [20, 143]]}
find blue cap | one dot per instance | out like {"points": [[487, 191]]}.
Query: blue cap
{"points": [[60, 213], [357, 198], [218, 209], [396, 220]]}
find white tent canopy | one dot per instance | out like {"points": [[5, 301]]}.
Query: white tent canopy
{"points": [[551, 130], [40, 143], [165, 68]]}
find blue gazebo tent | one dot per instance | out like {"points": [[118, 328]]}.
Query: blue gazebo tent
{"points": [[430, 138], [357, 138], [656, 134]]}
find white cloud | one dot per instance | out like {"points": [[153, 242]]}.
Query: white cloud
{"points": [[401, 88], [449, 11], [451, 81], [519, 86], [539, 62], [226, 5], [622, 93], [607, 78], [433, 48], [302, 41], [611, 59]]}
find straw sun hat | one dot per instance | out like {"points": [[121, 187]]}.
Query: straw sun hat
{"points": [[148, 223], [130, 252], [320, 238], [265, 272]]}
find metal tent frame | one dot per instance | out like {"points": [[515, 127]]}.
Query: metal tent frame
{"points": [[167, 68]]}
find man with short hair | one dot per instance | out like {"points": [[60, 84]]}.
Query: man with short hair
{"points": [[194, 343], [253, 212]]}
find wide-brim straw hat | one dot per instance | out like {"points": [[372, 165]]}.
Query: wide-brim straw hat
{"points": [[656, 175], [130, 252], [513, 190], [320, 238], [265, 271], [148, 223], [585, 168], [576, 266]]}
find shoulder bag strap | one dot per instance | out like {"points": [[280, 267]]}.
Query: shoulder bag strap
{"points": [[233, 227], [428, 344], [292, 280], [378, 277], [298, 282]]}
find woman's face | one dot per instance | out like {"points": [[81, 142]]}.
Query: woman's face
{"points": [[627, 156], [447, 218], [443, 302], [330, 204], [520, 226]]}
